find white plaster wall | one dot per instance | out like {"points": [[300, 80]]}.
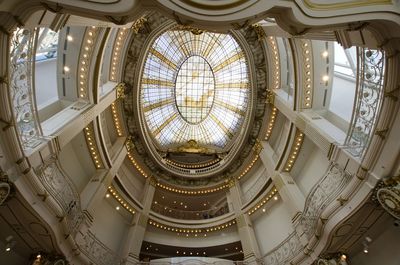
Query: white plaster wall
{"points": [[278, 137], [310, 166], [76, 162], [132, 181], [342, 98], [272, 227], [46, 82], [251, 185], [109, 225]]}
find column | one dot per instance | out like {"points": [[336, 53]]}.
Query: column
{"points": [[135, 235], [97, 187], [248, 239], [290, 193]]}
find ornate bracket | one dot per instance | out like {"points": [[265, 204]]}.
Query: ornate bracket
{"points": [[387, 194]]}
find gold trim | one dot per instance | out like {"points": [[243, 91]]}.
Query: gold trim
{"points": [[215, 5], [294, 151], [148, 81], [157, 104], [228, 61], [229, 107], [343, 5], [231, 86], [162, 126], [192, 192], [163, 58], [226, 131]]}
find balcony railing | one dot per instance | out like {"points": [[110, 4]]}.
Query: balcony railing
{"points": [[368, 99], [189, 215]]}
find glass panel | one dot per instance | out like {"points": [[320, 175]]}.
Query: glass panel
{"points": [[194, 87]]}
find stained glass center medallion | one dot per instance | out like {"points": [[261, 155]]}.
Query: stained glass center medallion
{"points": [[194, 89]]}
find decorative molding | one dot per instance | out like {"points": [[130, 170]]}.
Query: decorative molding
{"points": [[92, 146], [193, 191], [271, 123], [195, 232], [5, 187], [294, 151], [271, 194], [307, 74], [249, 166], [122, 202], [84, 63], [116, 119], [116, 55], [387, 194], [276, 74]]}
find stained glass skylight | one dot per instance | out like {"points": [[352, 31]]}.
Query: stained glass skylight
{"points": [[194, 87]]}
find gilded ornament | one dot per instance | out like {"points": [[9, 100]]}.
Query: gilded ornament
{"points": [[120, 88], [259, 31], [138, 24]]}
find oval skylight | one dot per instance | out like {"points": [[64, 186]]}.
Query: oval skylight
{"points": [[194, 87]]}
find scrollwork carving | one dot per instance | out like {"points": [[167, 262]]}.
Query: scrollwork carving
{"points": [[58, 185], [288, 249], [321, 195], [369, 96], [20, 84], [98, 252]]}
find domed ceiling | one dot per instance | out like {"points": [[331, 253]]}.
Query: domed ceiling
{"points": [[195, 100], [194, 88]]}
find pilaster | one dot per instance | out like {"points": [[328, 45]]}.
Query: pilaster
{"points": [[136, 232], [290, 193], [246, 233], [97, 187]]}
